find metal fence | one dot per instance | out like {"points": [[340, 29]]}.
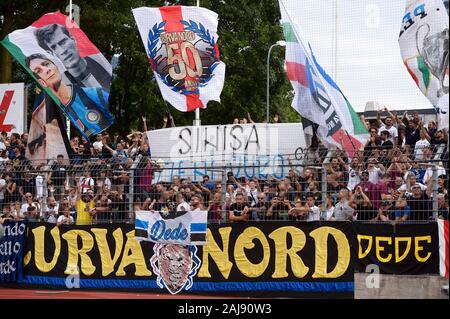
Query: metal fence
{"points": [[314, 184]]}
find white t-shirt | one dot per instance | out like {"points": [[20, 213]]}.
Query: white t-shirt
{"points": [[418, 148], [2, 146], [314, 214], [329, 213], [374, 175], [353, 178], [2, 192], [67, 220], [404, 187], [393, 133], [183, 207], [253, 195], [429, 173]]}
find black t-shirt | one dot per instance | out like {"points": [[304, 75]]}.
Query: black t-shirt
{"points": [[420, 207], [411, 136], [59, 174], [237, 209], [365, 212], [28, 186], [261, 209]]}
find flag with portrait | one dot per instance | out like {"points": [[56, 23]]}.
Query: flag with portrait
{"points": [[69, 67], [181, 45]]}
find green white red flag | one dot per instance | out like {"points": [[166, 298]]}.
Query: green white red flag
{"points": [[317, 97]]}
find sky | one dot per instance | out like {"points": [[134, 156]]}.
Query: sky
{"points": [[369, 66]]}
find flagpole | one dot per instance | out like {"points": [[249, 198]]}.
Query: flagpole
{"points": [[197, 110], [70, 23]]}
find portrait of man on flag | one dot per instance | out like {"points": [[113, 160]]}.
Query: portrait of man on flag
{"points": [[70, 69]]}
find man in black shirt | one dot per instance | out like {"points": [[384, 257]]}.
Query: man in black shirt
{"points": [[259, 211], [420, 204], [239, 210], [59, 176], [27, 185]]}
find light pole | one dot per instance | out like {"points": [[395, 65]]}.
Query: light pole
{"points": [[281, 44]]}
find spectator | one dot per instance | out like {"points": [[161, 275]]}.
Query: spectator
{"points": [[419, 203], [442, 206], [215, 207], [299, 211], [259, 211], [385, 211], [183, 206], [65, 218], [388, 126], [85, 207], [402, 211], [362, 205], [86, 182], [313, 210], [103, 208], [51, 210], [385, 142], [342, 210], [375, 169], [354, 173], [31, 215], [279, 210], [239, 210], [421, 144], [59, 176]]}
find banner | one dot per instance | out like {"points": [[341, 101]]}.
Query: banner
{"points": [[443, 247], [12, 236], [252, 150], [250, 259], [47, 137], [424, 45], [181, 45], [12, 108], [183, 228], [317, 97], [403, 249], [59, 56]]}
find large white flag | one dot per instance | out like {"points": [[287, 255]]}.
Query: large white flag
{"points": [[181, 44], [424, 45], [317, 96]]}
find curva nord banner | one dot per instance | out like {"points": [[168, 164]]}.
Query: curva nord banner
{"points": [[71, 70], [181, 45], [258, 259]]}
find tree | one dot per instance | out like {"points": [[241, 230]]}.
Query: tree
{"points": [[246, 30]]}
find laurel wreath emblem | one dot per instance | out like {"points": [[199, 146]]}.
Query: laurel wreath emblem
{"points": [[199, 29]]}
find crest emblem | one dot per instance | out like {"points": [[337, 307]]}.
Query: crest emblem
{"points": [[175, 266], [183, 60]]}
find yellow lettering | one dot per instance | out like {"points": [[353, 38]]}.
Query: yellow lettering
{"points": [[39, 248], [420, 248], [279, 236], [362, 254], [87, 243], [245, 241], [220, 256], [108, 262], [320, 236], [132, 254], [379, 249], [399, 258]]}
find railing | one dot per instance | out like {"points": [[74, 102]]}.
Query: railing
{"points": [[305, 188]]}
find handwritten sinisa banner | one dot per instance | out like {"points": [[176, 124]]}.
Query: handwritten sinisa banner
{"points": [[251, 150]]}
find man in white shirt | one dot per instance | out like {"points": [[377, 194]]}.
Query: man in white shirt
{"points": [[393, 132], [375, 169], [421, 145], [354, 173], [182, 205], [29, 202], [314, 213], [252, 193], [2, 190]]}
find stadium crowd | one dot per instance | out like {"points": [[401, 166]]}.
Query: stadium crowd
{"points": [[107, 180]]}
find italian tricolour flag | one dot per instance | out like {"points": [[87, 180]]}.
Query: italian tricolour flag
{"points": [[317, 96]]}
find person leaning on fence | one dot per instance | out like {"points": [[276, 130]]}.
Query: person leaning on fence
{"points": [[65, 218], [419, 202]]}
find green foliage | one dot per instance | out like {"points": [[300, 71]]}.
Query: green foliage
{"points": [[247, 29]]}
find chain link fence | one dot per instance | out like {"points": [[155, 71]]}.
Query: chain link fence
{"points": [[310, 185]]}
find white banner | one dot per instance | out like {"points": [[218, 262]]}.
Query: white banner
{"points": [[12, 110], [251, 150], [184, 228], [181, 45]]}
